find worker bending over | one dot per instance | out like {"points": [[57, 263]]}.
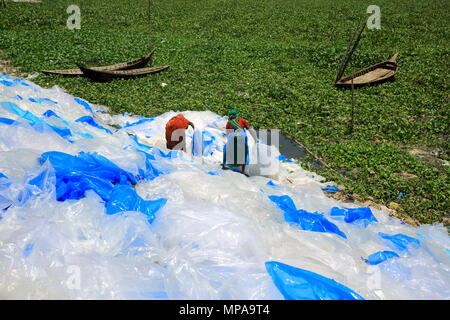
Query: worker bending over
{"points": [[176, 132]]}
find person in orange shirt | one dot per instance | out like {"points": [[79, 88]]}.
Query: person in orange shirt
{"points": [[175, 132]]}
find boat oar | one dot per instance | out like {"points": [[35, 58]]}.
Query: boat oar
{"points": [[351, 52], [344, 57], [150, 31]]}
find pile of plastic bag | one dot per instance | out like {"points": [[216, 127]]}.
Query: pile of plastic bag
{"points": [[93, 206]]}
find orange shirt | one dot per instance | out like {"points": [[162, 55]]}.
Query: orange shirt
{"points": [[177, 122]]}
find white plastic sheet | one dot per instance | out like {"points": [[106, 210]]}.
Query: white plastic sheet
{"points": [[211, 239]]}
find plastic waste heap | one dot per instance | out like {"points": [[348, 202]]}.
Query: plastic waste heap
{"points": [[93, 206]]}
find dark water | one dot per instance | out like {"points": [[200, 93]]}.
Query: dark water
{"points": [[288, 148]]}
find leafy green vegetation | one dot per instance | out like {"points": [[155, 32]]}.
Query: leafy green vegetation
{"points": [[274, 61]]}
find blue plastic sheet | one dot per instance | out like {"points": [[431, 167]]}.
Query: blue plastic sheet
{"points": [[14, 108], [41, 100], [401, 241], [124, 198], [11, 82], [8, 121], [84, 104], [152, 152], [284, 202], [91, 121], [299, 284], [75, 187], [44, 180], [64, 133], [152, 168], [51, 113], [7, 83], [283, 158], [331, 189], [27, 249], [36, 122], [362, 215], [304, 219], [273, 185], [379, 257], [140, 146], [77, 174], [138, 122], [155, 153]]}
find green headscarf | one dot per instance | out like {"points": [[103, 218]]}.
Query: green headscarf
{"points": [[232, 114], [232, 120]]}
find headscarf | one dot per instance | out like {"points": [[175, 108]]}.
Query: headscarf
{"points": [[232, 114]]}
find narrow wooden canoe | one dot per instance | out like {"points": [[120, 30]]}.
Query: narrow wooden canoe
{"points": [[102, 75], [134, 64], [377, 73]]}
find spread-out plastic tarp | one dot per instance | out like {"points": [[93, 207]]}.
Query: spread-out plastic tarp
{"points": [[93, 206], [380, 256], [298, 284], [305, 220]]}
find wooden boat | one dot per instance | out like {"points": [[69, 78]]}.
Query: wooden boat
{"points": [[374, 74], [107, 75], [126, 70], [134, 64]]}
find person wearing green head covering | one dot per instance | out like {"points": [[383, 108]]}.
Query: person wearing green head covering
{"points": [[236, 123], [237, 128], [232, 114]]}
